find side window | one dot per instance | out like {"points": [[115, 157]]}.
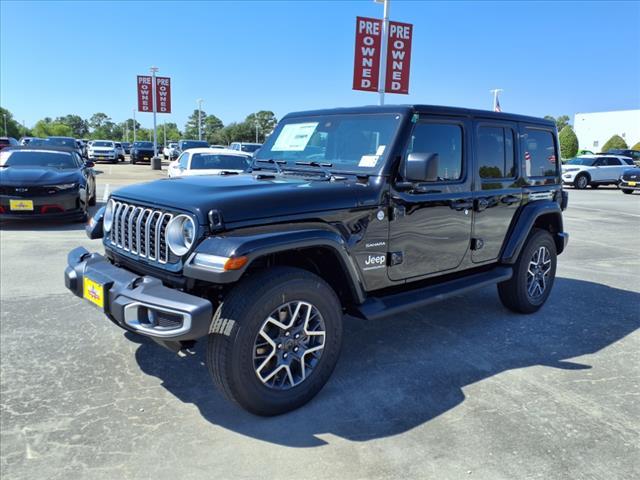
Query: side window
{"points": [[446, 141], [600, 162], [613, 162], [183, 161], [495, 154], [539, 153], [78, 160]]}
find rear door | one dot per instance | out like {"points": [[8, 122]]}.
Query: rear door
{"points": [[614, 168], [498, 193]]}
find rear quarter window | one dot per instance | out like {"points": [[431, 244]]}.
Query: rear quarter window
{"points": [[539, 152]]}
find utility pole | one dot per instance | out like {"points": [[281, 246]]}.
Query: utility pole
{"points": [[256, 131], [199, 118], [5, 124], [126, 131], [495, 92], [134, 125], [383, 50], [164, 125], [153, 95]]}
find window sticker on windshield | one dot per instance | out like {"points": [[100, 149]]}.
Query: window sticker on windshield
{"points": [[380, 150], [368, 160], [294, 137]]}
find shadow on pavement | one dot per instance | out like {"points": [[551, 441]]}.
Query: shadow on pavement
{"points": [[398, 373]]}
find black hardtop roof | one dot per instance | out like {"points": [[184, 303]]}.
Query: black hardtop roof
{"points": [[426, 109], [40, 147]]}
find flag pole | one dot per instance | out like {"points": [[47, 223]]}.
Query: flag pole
{"points": [[495, 92]]}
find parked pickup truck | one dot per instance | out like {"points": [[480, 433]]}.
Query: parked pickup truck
{"points": [[364, 211]]}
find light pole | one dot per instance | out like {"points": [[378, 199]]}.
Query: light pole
{"points": [[256, 131], [199, 118], [383, 49], [164, 126], [134, 125], [153, 98], [4, 115]]}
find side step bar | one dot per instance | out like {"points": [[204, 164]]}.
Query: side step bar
{"points": [[377, 307]]}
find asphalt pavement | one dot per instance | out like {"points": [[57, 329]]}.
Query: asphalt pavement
{"points": [[460, 389]]}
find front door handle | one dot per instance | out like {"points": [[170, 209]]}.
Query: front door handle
{"points": [[460, 205], [510, 199]]}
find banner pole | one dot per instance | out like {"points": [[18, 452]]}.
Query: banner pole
{"points": [[383, 52]]}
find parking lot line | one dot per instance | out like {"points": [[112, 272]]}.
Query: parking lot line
{"points": [[105, 195]]}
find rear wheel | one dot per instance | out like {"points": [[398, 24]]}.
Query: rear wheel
{"points": [[533, 275], [581, 182], [627, 191], [275, 340]]}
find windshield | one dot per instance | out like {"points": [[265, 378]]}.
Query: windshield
{"points": [[61, 142], [581, 161], [102, 144], [36, 158], [248, 147], [193, 144], [143, 144], [209, 161], [173, 145], [349, 143]]}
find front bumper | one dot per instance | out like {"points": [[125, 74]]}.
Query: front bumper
{"points": [[625, 184], [96, 157], [58, 205], [141, 304]]}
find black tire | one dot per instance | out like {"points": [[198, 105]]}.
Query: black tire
{"points": [[627, 191], [595, 185], [240, 318], [133, 161], [514, 292], [581, 181]]}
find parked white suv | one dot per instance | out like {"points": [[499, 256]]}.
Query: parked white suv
{"points": [[119, 151], [170, 151], [595, 170], [209, 161], [102, 150]]}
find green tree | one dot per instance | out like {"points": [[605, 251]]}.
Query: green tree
{"points": [[561, 122], [173, 134], [265, 120], [235, 132], [14, 129], [636, 146], [79, 126], [212, 125], [568, 142], [44, 128], [614, 142], [98, 120], [191, 127]]}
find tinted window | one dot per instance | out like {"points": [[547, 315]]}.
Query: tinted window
{"points": [[206, 161], [62, 142], [143, 144], [628, 161], [539, 153], [183, 160], [446, 141], [495, 152], [613, 162], [587, 161], [35, 158], [249, 148], [103, 144], [193, 144]]}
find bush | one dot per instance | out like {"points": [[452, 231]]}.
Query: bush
{"points": [[636, 146], [568, 142], [614, 142]]}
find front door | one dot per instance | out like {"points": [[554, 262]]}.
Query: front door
{"points": [[498, 195], [430, 225]]}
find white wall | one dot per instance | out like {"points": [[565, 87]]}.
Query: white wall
{"points": [[594, 129]]}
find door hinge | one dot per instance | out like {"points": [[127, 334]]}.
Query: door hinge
{"points": [[477, 243]]}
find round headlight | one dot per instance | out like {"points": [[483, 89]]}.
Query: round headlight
{"points": [[108, 216], [181, 233]]}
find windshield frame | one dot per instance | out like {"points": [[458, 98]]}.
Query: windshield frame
{"points": [[383, 165]]}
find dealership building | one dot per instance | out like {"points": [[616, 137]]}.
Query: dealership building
{"points": [[594, 129]]}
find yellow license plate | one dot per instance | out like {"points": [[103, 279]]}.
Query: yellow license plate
{"points": [[632, 184], [94, 292], [24, 205]]}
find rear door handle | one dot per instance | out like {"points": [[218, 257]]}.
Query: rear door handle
{"points": [[460, 205]]}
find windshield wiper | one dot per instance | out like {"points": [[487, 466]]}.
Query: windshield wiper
{"points": [[322, 166], [227, 172], [275, 163]]}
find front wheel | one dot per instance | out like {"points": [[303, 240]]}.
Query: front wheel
{"points": [[275, 340], [627, 191], [533, 275], [581, 182]]}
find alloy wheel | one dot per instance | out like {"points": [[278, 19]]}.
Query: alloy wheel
{"points": [[289, 345], [538, 272]]}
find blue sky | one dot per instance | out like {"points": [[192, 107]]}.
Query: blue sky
{"points": [[83, 57]]}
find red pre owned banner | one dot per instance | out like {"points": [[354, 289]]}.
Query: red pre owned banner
{"points": [[145, 104], [366, 66], [398, 57], [163, 95]]}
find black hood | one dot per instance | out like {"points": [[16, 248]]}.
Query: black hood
{"points": [[244, 197], [37, 176]]}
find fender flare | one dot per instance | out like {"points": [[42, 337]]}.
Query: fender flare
{"points": [[519, 232], [256, 245]]}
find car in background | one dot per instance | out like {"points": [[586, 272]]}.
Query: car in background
{"points": [[126, 146], [218, 146], [141, 152], [119, 151], [6, 142], [245, 147], [49, 182], [26, 140], [103, 150], [594, 170], [170, 151], [209, 161], [633, 154], [630, 180], [184, 145]]}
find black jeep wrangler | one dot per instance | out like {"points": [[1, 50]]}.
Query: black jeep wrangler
{"points": [[363, 211]]}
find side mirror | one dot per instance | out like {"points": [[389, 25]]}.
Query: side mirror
{"points": [[421, 167], [89, 164]]}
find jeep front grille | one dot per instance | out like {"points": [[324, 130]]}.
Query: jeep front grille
{"points": [[140, 231]]}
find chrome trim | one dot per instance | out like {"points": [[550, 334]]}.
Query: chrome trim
{"points": [[131, 318]]}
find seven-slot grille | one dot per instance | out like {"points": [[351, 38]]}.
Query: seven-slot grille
{"points": [[140, 231]]}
